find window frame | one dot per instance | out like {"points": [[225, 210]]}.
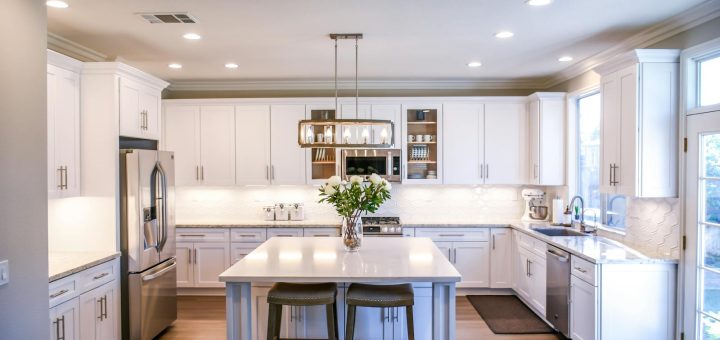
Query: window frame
{"points": [[573, 166], [690, 80]]}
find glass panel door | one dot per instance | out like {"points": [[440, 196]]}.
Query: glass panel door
{"points": [[702, 278]]}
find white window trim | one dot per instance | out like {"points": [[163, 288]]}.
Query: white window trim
{"points": [[689, 60]]}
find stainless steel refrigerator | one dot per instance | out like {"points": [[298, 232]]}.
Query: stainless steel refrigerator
{"points": [[147, 236]]}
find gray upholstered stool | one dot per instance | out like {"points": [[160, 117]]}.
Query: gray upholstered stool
{"points": [[301, 294], [379, 296]]}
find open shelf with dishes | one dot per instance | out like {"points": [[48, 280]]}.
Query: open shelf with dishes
{"points": [[323, 161], [422, 129]]}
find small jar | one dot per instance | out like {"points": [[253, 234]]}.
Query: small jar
{"points": [[268, 213], [282, 213]]}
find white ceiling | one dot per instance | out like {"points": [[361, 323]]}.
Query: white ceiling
{"points": [[404, 39]]}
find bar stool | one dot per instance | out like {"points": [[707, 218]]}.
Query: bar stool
{"points": [[302, 294], [379, 296]]}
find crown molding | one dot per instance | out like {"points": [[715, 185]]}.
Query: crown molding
{"points": [[112, 67], [684, 21], [70, 48], [429, 84], [63, 61]]}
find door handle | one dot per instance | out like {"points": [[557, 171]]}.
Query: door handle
{"points": [[62, 319], [267, 172], [105, 307], [60, 173], [487, 170], [195, 256], [493, 242], [52, 296], [272, 172], [385, 314], [202, 172], [98, 277], [454, 255], [580, 270], [197, 172], [189, 251], [159, 273], [100, 317], [527, 267], [482, 170]]}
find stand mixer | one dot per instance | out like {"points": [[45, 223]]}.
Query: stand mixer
{"points": [[534, 212]]}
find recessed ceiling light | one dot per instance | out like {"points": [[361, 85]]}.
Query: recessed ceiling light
{"points": [[175, 66], [192, 36], [57, 4], [504, 34], [538, 2], [474, 64], [565, 58], [231, 65]]}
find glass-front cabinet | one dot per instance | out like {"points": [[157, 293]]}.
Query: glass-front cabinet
{"points": [[322, 162], [422, 138]]}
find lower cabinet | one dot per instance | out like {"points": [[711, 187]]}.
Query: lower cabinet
{"points": [[99, 312], [530, 276], [370, 323], [85, 305], [65, 321], [501, 258], [468, 249], [582, 310], [200, 264]]}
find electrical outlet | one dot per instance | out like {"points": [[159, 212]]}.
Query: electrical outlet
{"points": [[4, 272]]}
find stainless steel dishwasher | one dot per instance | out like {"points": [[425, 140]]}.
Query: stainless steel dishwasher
{"points": [[558, 289]]}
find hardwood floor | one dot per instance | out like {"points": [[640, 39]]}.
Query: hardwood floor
{"points": [[203, 317]]}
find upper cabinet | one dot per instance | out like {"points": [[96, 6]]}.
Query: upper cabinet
{"points": [[252, 148], [639, 124], [422, 125], [139, 110], [485, 143], [547, 138], [63, 110], [287, 158], [203, 139]]}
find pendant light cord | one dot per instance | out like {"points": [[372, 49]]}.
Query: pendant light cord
{"points": [[336, 84], [357, 91]]}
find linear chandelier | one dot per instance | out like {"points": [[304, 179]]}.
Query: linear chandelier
{"points": [[346, 133]]}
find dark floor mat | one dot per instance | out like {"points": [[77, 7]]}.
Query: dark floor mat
{"points": [[506, 314]]}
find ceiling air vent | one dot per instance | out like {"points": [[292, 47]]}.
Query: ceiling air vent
{"points": [[168, 18]]}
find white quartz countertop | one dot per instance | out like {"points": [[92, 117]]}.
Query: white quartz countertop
{"points": [[380, 259], [63, 264]]}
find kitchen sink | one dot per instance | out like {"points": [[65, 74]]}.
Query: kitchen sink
{"points": [[558, 232]]}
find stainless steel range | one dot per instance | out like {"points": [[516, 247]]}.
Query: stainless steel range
{"points": [[382, 226]]}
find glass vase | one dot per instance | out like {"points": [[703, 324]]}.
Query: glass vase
{"points": [[352, 234]]}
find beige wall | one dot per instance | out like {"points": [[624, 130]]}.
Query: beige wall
{"points": [[23, 175], [169, 94]]}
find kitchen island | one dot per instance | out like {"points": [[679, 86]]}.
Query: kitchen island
{"points": [[380, 261]]}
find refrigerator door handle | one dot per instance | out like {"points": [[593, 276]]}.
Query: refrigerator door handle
{"points": [[159, 195], [160, 272]]}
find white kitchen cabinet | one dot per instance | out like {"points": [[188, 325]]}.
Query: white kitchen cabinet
{"points": [[238, 251], [203, 140], [501, 258], [99, 313], [202, 255], [63, 118], [547, 138], [422, 317], [139, 109], [472, 260], [217, 145], [287, 158], [65, 321], [485, 143], [583, 313], [530, 273], [638, 139], [252, 148], [537, 271], [505, 143], [522, 280]]}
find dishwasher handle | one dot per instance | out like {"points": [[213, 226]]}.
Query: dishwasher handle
{"points": [[560, 256]]}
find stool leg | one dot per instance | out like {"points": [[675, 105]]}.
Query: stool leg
{"points": [[350, 324], [274, 319], [331, 318], [410, 326], [335, 320]]}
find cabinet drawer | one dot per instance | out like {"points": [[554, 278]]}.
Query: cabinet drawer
{"points": [[321, 232], [455, 234], [408, 232], [98, 275], [248, 235], [63, 290], [583, 269], [284, 232], [202, 235], [240, 250]]}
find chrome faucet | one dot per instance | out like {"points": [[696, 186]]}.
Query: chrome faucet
{"points": [[582, 208]]}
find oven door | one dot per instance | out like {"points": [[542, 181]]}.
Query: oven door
{"points": [[365, 163]]}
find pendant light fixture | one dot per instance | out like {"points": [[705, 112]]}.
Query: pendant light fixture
{"points": [[346, 133]]}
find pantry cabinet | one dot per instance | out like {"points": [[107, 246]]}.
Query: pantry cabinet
{"points": [[485, 143], [63, 130], [203, 140], [547, 138], [638, 138]]}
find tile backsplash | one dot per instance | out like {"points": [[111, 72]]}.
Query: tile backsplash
{"points": [[653, 225]]}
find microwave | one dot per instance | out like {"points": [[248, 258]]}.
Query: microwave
{"points": [[365, 162]]}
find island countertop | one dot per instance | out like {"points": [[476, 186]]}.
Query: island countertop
{"points": [[379, 259]]}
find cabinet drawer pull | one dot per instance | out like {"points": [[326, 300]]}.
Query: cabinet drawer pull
{"points": [[451, 235], [192, 235], [247, 235], [321, 235], [581, 270], [98, 277], [52, 296], [284, 235]]}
